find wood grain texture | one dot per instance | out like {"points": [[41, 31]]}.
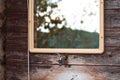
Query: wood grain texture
{"points": [[16, 39], [103, 67], [75, 73]]}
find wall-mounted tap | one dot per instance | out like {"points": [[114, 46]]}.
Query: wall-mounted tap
{"points": [[63, 60]]}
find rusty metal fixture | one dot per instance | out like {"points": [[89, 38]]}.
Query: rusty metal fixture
{"points": [[63, 60], [60, 61]]}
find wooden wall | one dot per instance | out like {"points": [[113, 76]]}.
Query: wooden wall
{"points": [[45, 66], [2, 17]]}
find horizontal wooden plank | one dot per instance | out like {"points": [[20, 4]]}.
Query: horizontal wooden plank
{"points": [[16, 7], [22, 16], [110, 56], [16, 15], [17, 61], [18, 67], [16, 4], [17, 55], [16, 29], [16, 71], [18, 42], [112, 41], [20, 21], [112, 32], [16, 12], [16, 35], [14, 47], [112, 20], [112, 4], [111, 11], [115, 21]]}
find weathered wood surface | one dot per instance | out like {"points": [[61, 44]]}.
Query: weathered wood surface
{"points": [[16, 39], [76, 73], [107, 65]]}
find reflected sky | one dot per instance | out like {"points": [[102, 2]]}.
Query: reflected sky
{"points": [[79, 15]]}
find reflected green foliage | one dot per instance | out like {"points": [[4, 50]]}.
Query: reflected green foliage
{"points": [[68, 38]]}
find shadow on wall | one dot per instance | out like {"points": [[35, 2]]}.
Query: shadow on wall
{"points": [[1, 59], [2, 7]]}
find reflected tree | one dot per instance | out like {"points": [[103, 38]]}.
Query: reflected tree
{"points": [[49, 23]]}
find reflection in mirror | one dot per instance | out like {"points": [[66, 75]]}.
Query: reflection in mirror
{"points": [[67, 23]]}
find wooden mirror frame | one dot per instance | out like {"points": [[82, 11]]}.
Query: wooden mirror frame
{"points": [[32, 49]]}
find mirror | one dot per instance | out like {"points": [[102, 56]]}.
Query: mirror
{"points": [[66, 26]]}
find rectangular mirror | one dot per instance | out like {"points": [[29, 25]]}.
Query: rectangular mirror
{"points": [[66, 26]]}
